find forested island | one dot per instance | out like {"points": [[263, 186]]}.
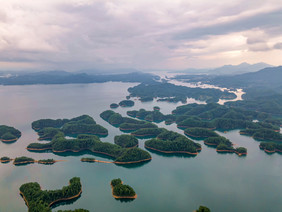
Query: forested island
{"points": [[174, 93], [121, 191], [271, 147], [9, 134], [153, 116], [92, 143], [5, 159], [38, 200], [126, 141], [48, 128], [114, 105], [126, 103], [173, 143], [198, 132], [203, 209], [23, 160]]}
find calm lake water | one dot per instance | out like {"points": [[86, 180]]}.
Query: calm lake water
{"points": [[223, 182]]}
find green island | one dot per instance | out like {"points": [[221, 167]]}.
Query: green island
{"points": [[263, 134], [46, 161], [5, 159], [146, 99], [153, 116], [203, 209], [121, 191], [148, 132], [173, 143], [89, 160], [84, 124], [126, 141], [23, 160], [92, 143], [271, 147], [39, 201], [223, 145], [198, 132], [174, 93], [125, 123], [9, 134], [126, 103], [114, 105], [157, 108]]}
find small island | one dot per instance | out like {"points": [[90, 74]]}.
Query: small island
{"points": [[157, 108], [271, 147], [126, 141], [46, 161], [114, 105], [38, 200], [121, 191], [126, 103], [89, 160], [148, 132], [5, 159], [203, 209], [198, 132], [152, 116], [170, 142], [23, 160], [263, 134], [9, 134], [76, 210]]}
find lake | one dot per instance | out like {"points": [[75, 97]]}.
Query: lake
{"points": [[222, 182]]}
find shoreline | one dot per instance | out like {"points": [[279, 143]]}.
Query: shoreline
{"points": [[172, 152], [9, 140], [116, 162]]}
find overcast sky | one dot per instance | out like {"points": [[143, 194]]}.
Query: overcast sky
{"points": [[142, 34]]}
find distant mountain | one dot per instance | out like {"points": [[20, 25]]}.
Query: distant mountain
{"points": [[238, 69], [62, 77], [227, 69]]}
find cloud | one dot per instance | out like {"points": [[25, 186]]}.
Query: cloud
{"points": [[155, 34]]}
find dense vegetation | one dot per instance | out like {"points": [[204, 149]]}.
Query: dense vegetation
{"points": [[23, 160], [47, 161], [148, 132], [76, 210], [126, 141], [155, 115], [203, 209], [91, 142], [41, 201], [263, 134], [48, 128], [8, 134], [271, 147], [198, 132], [172, 142], [177, 93], [120, 190], [5, 159], [90, 160], [114, 105], [126, 103]]}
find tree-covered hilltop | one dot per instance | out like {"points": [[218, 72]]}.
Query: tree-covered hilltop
{"points": [[148, 132], [263, 134], [198, 132], [203, 209], [92, 143], [125, 123], [154, 116], [177, 92], [23, 160], [126, 141], [173, 142], [120, 190], [88, 159], [48, 128], [39, 201], [271, 147], [9, 134], [126, 103], [5, 159], [114, 105]]}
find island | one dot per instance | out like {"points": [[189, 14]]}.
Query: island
{"points": [[9, 134], [89, 160], [126, 103], [38, 200], [76, 210], [148, 132], [203, 209], [121, 191], [224, 145], [170, 142], [5, 159], [82, 142], [152, 116], [271, 147], [114, 105], [146, 99], [124, 123], [156, 108], [198, 132], [126, 141], [48, 128], [46, 161], [263, 134], [23, 160]]}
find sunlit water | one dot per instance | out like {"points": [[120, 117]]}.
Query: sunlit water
{"points": [[223, 182]]}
